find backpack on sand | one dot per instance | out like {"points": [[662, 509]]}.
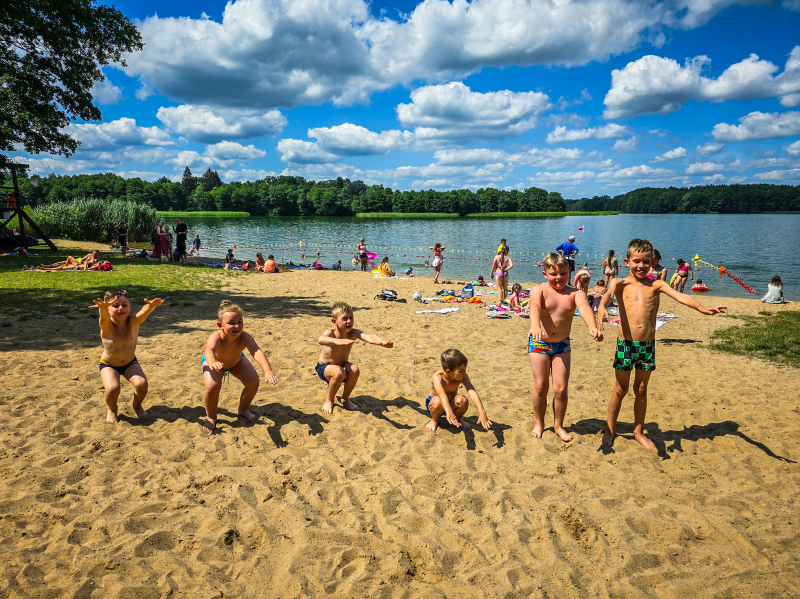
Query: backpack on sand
{"points": [[387, 295]]}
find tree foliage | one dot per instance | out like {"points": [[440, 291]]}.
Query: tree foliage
{"points": [[51, 52]]}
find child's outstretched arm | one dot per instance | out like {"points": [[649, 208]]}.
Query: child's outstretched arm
{"points": [[261, 358], [373, 339], [607, 299], [535, 306], [582, 304], [102, 305], [483, 419], [328, 339], [687, 300], [147, 309]]}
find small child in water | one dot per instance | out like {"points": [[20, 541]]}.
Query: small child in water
{"points": [[119, 332], [442, 398], [223, 354], [333, 365]]}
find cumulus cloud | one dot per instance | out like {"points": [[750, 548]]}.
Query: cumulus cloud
{"points": [[710, 149], [562, 134], [245, 174], [206, 125], [654, 84], [271, 53], [563, 177], [626, 145], [342, 141], [454, 112], [223, 154], [712, 179], [105, 93], [759, 125], [710, 167], [122, 132], [779, 176], [793, 149], [542, 158], [637, 172], [673, 154]]}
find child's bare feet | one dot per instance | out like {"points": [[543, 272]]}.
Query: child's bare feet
{"points": [[249, 416], [607, 439], [536, 432], [349, 405], [112, 417], [647, 443], [140, 412], [327, 407], [432, 426], [209, 426], [562, 433]]}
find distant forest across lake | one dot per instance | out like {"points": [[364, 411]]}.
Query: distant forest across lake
{"points": [[296, 196]]}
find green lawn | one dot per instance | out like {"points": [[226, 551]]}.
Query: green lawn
{"points": [[773, 336]]}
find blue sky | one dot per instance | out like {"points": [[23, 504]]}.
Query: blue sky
{"points": [[585, 98]]}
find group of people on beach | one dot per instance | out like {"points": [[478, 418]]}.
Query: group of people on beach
{"points": [[553, 305]]}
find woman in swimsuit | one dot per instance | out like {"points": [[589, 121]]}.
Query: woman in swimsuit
{"points": [[610, 267], [500, 267], [437, 261], [362, 255], [684, 273]]}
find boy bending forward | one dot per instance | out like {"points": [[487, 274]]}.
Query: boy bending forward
{"points": [[443, 398], [333, 366], [637, 297], [552, 307], [119, 332]]}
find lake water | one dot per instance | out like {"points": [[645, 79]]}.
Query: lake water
{"points": [[752, 247]]}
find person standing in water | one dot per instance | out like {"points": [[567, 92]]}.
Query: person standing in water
{"points": [[363, 256]]}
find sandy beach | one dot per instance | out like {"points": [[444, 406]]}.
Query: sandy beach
{"points": [[370, 504]]}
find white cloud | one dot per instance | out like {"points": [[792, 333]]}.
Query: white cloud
{"points": [[562, 134], [641, 172], [779, 176], [673, 154], [223, 154], [626, 145], [542, 158], [206, 125], [563, 177], [713, 179], [246, 174], [791, 5], [710, 167], [231, 149], [654, 84], [454, 112], [271, 53], [710, 149], [105, 93], [793, 149], [759, 125], [341, 141], [774, 163], [122, 132], [469, 157]]}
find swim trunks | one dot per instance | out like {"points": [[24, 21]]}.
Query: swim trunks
{"points": [[550, 349], [320, 368], [227, 370], [120, 369], [641, 354], [428, 403]]}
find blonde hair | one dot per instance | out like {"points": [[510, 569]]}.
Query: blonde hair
{"points": [[340, 308], [555, 260], [640, 246], [584, 278], [227, 306]]}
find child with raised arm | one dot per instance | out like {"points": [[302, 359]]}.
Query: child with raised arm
{"points": [[637, 297], [442, 398], [552, 307], [333, 365], [119, 332], [223, 354]]}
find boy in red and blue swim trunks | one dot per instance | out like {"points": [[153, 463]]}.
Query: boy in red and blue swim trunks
{"points": [[552, 308]]}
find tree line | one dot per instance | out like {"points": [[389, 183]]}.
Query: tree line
{"points": [[296, 196]]}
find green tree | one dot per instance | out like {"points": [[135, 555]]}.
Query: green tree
{"points": [[51, 52], [189, 183], [210, 179]]}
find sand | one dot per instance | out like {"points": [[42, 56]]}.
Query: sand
{"points": [[370, 504]]}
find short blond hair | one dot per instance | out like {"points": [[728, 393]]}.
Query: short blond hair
{"points": [[639, 246], [340, 308], [555, 260], [227, 306]]}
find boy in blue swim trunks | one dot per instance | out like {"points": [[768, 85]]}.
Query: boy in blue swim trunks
{"points": [[637, 297], [333, 366], [119, 332], [552, 308], [442, 398]]}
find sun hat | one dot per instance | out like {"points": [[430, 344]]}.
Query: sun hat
{"points": [[571, 238]]}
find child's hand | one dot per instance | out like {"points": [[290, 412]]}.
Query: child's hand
{"points": [[484, 421], [451, 418], [536, 332], [596, 334], [101, 303], [601, 315], [269, 377], [387, 344], [714, 310], [216, 366], [154, 303]]}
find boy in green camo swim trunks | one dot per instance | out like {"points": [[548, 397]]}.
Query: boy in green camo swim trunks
{"points": [[637, 297]]}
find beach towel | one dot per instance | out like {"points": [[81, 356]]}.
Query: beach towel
{"points": [[440, 311]]}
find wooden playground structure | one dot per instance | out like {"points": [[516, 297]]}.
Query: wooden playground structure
{"points": [[11, 206]]}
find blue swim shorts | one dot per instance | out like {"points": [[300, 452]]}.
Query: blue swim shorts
{"points": [[428, 403], [320, 368], [550, 349]]}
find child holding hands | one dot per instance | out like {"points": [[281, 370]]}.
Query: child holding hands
{"points": [[119, 332], [224, 354], [552, 307], [637, 296], [333, 365], [443, 399]]}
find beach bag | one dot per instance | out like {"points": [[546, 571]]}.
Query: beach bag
{"points": [[387, 295], [106, 266], [468, 292]]}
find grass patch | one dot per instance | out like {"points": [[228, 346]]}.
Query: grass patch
{"points": [[162, 214], [536, 214], [407, 215], [773, 336], [27, 294]]}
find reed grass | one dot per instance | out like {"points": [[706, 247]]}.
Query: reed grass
{"points": [[536, 214], [407, 215], [168, 214]]}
